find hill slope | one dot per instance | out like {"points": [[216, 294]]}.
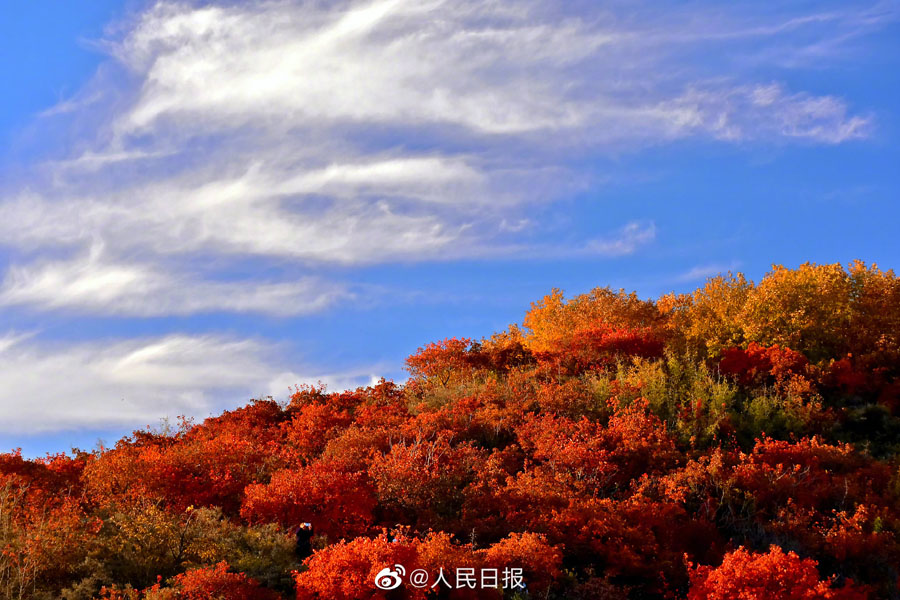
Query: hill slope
{"points": [[742, 439]]}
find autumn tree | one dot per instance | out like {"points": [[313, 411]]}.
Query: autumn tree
{"points": [[771, 575], [336, 501], [554, 319], [605, 448]]}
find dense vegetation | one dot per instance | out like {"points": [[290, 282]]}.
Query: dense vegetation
{"points": [[737, 442]]}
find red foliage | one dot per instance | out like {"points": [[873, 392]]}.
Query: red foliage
{"points": [[441, 360], [591, 456], [423, 481], [204, 465], [336, 501], [540, 561], [600, 346], [844, 375], [810, 473], [311, 428], [216, 583], [774, 575], [757, 364], [346, 570], [552, 450], [57, 473], [43, 528]]}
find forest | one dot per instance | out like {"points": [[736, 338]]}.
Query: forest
{"points": [[737, 442]]}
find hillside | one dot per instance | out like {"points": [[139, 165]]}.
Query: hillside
{"points": [[741, 439]]}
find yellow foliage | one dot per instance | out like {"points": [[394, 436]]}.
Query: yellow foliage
{"points": [[709, 319], [819, 310], [806, 309], [553, 319]]}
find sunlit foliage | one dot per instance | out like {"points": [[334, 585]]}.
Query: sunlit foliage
{"points": [[740, 441]]}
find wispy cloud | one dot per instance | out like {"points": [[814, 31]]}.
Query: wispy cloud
{"points": [[484, 67], [91, 285], [322, 137], [702, 272], [767, 111], [283, 129], [131, 383], [626, 241]]}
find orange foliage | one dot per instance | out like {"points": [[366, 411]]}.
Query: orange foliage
{"points": [[337, 502], [591, 456], [602, 449], [775, 575], [539, 560], [216, 583], [600, 346], [423, 481], [758, 365], [207, 465], [346, 570], [553, 319], [444, 359]]}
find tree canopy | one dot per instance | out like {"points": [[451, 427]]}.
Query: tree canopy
{"points": [[740, 441]]}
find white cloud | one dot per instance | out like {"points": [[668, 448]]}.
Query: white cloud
{"points": [[386, 130], [92, 285], [626, 241], [702, 272], [350, 133], [767, 111], [92, 161], [133, 383], [420, 177], [252, 213], [381, 61], [484, 67]]}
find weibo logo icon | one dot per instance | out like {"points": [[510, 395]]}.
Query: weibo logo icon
{"points": [[388, 579]]}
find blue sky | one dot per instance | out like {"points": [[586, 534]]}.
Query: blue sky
{"points": [[204, 203]]}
